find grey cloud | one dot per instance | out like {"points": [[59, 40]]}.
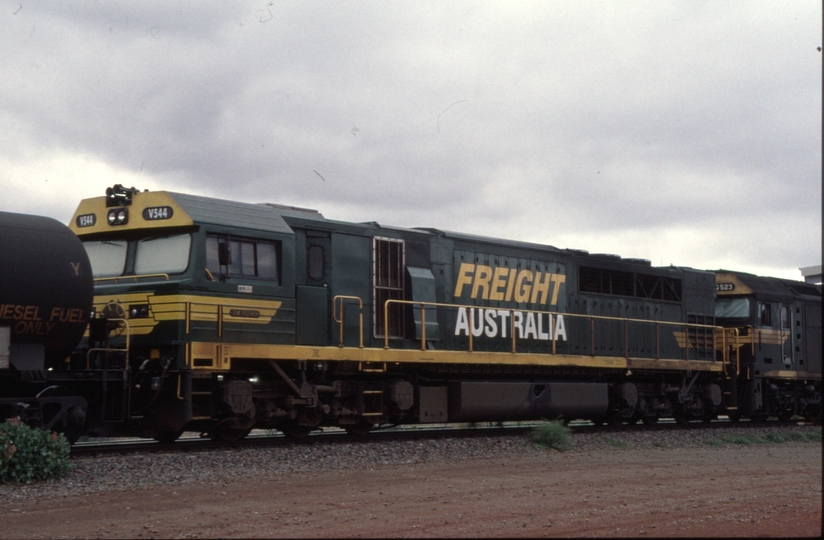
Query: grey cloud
{"points": [[566, 117]]}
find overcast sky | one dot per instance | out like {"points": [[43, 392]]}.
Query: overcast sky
{"points": [[687, 133]]}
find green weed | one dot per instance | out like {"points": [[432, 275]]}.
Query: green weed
{"points": [[553, 435], [739, 439], [615, 443]]}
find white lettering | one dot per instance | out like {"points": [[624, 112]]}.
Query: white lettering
{"points": [[479, 330], [560, 329], [541, 334], [517, 319], [530, 326], [504, 315], [491, 325], [462, 324]]}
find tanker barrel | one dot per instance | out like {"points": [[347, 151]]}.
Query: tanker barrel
{"points": [[46, 291]]}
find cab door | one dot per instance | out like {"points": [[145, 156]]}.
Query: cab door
{"points": [[312, 310]]}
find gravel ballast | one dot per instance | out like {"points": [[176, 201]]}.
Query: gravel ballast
{"points": [[113, 473]]}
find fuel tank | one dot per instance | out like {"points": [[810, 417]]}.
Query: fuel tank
{"points": [[46, 291]]}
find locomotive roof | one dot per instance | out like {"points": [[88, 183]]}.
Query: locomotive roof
{"points": [[452, 235], [163, 209], [767, 288], [262, 217]]}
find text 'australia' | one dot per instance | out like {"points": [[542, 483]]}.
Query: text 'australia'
{"points": [[494, 323]]}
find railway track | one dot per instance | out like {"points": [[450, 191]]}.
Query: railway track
{"points": [[192, 442]]}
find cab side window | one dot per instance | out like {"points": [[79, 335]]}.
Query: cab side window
{"points": [[315, 262], [764, 314], [249, 258]]}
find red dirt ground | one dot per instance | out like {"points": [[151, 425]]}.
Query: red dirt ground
{"points": [[731, 491]]}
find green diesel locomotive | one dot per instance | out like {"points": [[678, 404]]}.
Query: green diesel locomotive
{"points": [[220, 317]]}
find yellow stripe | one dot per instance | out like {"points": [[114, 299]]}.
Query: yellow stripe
{"points": [[173, 308], [786, 374], [771, 337], [413, 356]]}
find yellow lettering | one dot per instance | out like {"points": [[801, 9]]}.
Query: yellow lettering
{"points": [[511, 285], [498, 280], [464, 278], [542, 282], [522, 289], [558, 279], [483, 274]]}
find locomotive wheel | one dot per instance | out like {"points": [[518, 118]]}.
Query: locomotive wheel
{"points": [[361, 429], [650, 419], [758, 416], [168, 437], [230, 434], [616, 421], [295, 431], [72, 433], [682, 418]]}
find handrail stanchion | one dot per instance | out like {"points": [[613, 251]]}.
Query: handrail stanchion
{"points": [[512, 331], [657, 341], [339, 320], [626, 339], [386, 324], [592, 336], [188, 316], [471, 324], [423, 327]]}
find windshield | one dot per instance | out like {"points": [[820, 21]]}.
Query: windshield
{"points": [[167, 255], [108, 258], [732, 308], [156, 255]]}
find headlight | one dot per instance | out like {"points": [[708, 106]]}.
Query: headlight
{"points": [[118, 216]]}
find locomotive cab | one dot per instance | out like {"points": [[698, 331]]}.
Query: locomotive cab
{"points": [[774, 333], [176, 277]]}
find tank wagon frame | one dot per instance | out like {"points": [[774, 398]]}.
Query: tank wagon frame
{"points": [[221, 316]]}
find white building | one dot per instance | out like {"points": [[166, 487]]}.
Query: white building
{"points": [[812, 274]]}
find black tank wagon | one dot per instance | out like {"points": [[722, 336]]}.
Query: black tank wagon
{"points": [[46, 293], [221, 316]]}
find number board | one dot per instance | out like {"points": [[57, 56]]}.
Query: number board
{"points": [[86, 220], [155, 213], [724, 287]]}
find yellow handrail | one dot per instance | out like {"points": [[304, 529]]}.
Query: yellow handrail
{"points": [[117, 279], [126, 350], [341, 298], [592, 318]]}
